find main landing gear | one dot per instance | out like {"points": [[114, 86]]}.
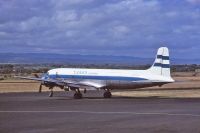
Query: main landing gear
{"points": [[77, 94], [50, 88], [107, 94]]}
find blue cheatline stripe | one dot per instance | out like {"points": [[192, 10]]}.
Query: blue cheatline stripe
{"points": [[96, 77], [163, 57], [162, 65]]}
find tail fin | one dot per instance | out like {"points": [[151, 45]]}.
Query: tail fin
{"points": [[161, 64]]}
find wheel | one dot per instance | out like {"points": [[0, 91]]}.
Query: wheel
{"points": [[77, 95], [51, 94], [66, 88], [107, 94]]}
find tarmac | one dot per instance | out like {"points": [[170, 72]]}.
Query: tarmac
{"points": [[37, 113]]}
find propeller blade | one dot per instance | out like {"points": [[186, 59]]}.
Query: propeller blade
{"points": [[40, 88], [36, 75]]}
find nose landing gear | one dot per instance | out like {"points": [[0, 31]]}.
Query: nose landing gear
{"points": [[51, 92]]}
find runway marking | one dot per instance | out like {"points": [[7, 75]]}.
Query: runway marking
{"points": [[92, 112]]}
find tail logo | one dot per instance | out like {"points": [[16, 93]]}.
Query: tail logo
{"points": [[162, 61]]}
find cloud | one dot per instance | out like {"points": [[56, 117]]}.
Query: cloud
{"points": [[117, 27]]}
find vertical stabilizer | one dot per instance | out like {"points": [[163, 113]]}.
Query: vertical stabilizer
{"points": [[161, 64]]}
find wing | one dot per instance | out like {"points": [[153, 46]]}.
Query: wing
{"points": [[69, 83], [30, 78]]}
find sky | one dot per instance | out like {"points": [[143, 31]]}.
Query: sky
{"points": [[101, 27]]}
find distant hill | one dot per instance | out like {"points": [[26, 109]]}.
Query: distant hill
{"points": [[36, 58]]}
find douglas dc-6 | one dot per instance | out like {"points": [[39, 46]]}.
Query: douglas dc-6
{"points": [[78, 79]]}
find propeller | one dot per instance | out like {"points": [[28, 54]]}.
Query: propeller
{"points": [[43, 76]]}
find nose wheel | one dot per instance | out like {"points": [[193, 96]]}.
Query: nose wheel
{"points": [[107, 94], [51, 92]]}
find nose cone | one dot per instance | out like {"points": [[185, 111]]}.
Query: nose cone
{"points": [[48, 72], [51, 72]]}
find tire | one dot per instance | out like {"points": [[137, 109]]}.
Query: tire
{"points": [[51, 94], [77, 95], [107, 94]]}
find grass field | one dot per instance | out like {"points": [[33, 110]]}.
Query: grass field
{"points": [[20, 86], [186, 85]]}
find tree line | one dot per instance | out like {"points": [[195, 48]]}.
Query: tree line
{"points": [[9, 70]]}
